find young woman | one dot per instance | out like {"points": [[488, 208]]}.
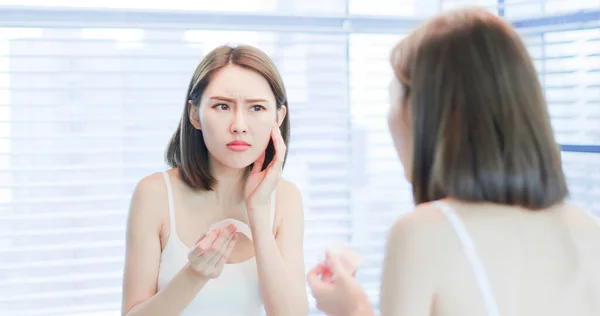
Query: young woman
{"points": [[491, 233], [227, 156]]}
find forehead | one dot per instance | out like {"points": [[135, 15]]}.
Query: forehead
{"points": [[238, 82]]}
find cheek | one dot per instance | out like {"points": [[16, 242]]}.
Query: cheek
{"points": [[399, 130], [204, 117], [393, 120], [261, 128], [213, 120], [212, 127]]}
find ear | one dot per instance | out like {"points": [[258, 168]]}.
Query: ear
{"points": [[194, 115], [281, 113]]}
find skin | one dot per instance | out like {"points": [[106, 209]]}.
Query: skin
{"points": [[236, 105], [538, 263]]}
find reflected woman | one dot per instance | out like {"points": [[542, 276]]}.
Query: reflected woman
{"points": [[227, 156]]}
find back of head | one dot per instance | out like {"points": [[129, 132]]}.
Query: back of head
{"points": [[479, 122]]}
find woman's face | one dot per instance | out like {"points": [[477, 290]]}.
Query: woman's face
{"points": [[399, 125], [236, 114]]}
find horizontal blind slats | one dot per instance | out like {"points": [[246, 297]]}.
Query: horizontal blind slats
{"points": [[61, 89], [76, 136]]}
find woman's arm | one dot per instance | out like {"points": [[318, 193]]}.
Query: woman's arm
{"points": [[142, 257], [280, 259], [407, 283]]}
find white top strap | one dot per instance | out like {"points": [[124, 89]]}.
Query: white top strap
{"points": [[471, 252], [171, 203]]}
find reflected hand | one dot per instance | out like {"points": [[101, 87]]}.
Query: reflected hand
{"points": [[260, 184], [211, 252]]}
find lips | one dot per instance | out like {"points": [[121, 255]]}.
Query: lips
{"points": [[238, 145]]}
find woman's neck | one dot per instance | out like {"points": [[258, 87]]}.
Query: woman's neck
{"points": [[229, 188]]}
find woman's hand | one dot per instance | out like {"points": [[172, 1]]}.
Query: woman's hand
{"points": [[211, 252], [336, 291], [260, 184]]}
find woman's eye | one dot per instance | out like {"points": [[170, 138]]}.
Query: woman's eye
{"points": [[257, 108], [223, 107]]}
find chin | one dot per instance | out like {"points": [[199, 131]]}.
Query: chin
{"points": [[238, 161], [238, 164], [235, 161]]}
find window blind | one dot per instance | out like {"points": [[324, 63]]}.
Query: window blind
{"points": [[380, 193], [570, 70], [87, 112], [88, 102]]}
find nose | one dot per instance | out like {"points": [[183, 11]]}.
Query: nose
{"points": [[239, 126]]}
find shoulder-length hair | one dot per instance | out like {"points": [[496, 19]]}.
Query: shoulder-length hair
{"points": [[480, 125]]}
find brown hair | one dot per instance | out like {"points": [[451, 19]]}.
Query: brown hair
{"points": [[186, 149], [480, 125]]}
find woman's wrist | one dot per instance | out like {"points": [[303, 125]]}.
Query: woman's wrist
{"points": [[363, 307], [363, 311], [258, 215], [256, 208], [193, 275]]}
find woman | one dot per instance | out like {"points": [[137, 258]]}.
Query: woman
{"points": [[227, 155], [491, 233]]}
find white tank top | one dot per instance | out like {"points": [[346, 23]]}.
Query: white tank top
{"points": [[234, 293]]}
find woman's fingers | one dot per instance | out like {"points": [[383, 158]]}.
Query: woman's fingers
{"points": [[219, 248], [276, 166], [207, 254], [227, 251], [340, 272], [279, 144], [204, 244], [257, 167], [327, 276], [314, 275], [280, 148]]}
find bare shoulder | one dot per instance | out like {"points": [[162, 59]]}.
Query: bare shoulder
{"points": [[423, 228], [289, 203], [423, 219], [288, 197], [579, 217], [143, 242], [153, 183], [413, 263], [287, 190], [149, 199], [576, 209], [150, 189]]}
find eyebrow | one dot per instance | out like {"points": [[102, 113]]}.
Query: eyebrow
{"points": [[233, 100]]}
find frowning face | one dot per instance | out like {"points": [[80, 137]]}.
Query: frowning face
{"points": [[236, 114]]}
